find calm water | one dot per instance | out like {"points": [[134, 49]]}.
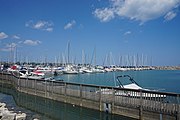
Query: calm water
{"points": [[45, 109], [163, 80]]}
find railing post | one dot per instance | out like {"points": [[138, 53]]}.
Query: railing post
{"points": [[45, 89], [35, 86], [140, 106], [14, 83], [52, 88], [18, 83], [2, 79], [113, 101], [65, 85], [6, 77], [178, 108], [25, 87], [100, 99], [80, 94]]}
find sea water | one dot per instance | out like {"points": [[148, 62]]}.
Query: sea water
{"points": [[162, 80], [45, 109]]}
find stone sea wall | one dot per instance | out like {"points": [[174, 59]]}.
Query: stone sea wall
{"points": [[167, 67]]}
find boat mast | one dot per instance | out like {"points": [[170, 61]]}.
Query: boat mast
{"points": [[83, 57], [95, 56], [68, 51]]}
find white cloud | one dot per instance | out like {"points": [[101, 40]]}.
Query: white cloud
{"points": [[3, 35], [127, 33], [70, 25], [16, 37], [40, 25], [139, 10], [169, 16], [32, 42], [105, 14], [49, 29]]}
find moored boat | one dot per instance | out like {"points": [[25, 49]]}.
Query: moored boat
{"points": [[36, 75], [69, 69], [132, 89]]}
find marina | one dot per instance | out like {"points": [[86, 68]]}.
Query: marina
{"points": [[88, 96], [89, 60]]}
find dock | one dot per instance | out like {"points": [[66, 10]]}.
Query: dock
{"points": [[138, 104]]}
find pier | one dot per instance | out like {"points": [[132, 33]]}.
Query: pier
{"points": [[138, 104]]}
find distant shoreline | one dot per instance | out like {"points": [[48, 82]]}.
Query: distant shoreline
{"points": [[167, 67], [151, 67]]}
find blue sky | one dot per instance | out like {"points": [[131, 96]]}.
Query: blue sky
{"points": [[114, 28]]}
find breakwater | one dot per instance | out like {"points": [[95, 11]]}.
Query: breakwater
{"points": [[133, 103], [167, 67]]}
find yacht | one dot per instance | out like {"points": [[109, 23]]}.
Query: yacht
{"points": [[69, 69]]}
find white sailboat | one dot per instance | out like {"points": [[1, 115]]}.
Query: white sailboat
{"points": [[69, 69]]}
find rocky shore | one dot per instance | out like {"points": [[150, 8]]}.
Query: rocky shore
{"points": [[5, 114], [167, 67]]}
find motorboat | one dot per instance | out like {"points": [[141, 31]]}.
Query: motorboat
{"points": [[131, 89], [36, 75], [132, 85]]}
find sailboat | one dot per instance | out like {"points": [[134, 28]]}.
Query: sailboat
{"points": [[69, 68]]}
